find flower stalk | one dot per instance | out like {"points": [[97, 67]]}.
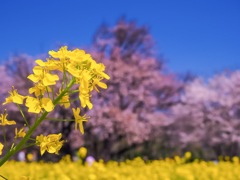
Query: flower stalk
{"points": [[77, 68], [23, 141]]}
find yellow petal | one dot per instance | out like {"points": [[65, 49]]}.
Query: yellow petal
{"points": [[18, 99], [42, 150], [50, 79], [81, 127], [89, 104], [33, 105], [106, 76], [47, 104], [10, 122], [102, 85], [1, 148], [33, 78], [40, 62]]}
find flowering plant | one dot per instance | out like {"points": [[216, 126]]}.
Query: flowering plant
{"points": [[80, 74]]}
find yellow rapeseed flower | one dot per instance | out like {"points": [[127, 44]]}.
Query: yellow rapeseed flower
{"points": [[62, 53], [39, 89], [35, 105], [20, 133], [50, 143], [1, 148], [84, 97], [43, 76], [74, 70], [129, 169], [64, 100], [4, 121], [187, 155], [99, 83], [14, 97], [50, 64], [30, 157], [99, 69], [82, 152], [79, 119]]}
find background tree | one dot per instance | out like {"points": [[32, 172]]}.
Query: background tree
{"points": [[125, 38], [207, 119], [132, 112]]}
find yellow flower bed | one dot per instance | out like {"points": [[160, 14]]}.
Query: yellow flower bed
{"points": [[136, 169]]}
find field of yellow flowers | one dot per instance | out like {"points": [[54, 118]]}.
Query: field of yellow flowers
{"points": [[167, 169]]}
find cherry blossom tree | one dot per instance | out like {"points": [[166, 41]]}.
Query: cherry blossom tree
{"points": [[207, 119], [133, 111]]}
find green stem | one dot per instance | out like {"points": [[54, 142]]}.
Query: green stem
{"points": [[34, 126], [47, 92], [62, 120], [63, 78], [74, 100], [53, 88], [28, 145], [55, 102], [73, 91], [20, 109], [24, 139], [4, 136]]}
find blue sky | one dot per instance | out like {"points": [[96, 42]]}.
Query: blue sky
{"points": [[198, 36]]}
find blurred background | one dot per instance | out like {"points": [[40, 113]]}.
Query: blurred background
{"points": [[174, 68]]}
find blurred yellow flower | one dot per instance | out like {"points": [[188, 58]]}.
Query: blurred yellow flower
{"points": [[84, 97], [99, 83], [79, 119], [65, 100], [35, 105], [4, 121], [62, 53], [14, 97], [1, 148], [20, 133], [130, 169], [39, 89], [24, 178], [99, 70], [30, 157], [188, 155], [82, 152], [50, 143]]}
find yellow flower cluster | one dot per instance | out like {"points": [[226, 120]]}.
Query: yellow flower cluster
{"points": [[167, 169], [50, 143], [75, 72], [86, 72]]}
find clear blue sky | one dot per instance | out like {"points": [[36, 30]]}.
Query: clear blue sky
{"points": [[199, 36]]}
